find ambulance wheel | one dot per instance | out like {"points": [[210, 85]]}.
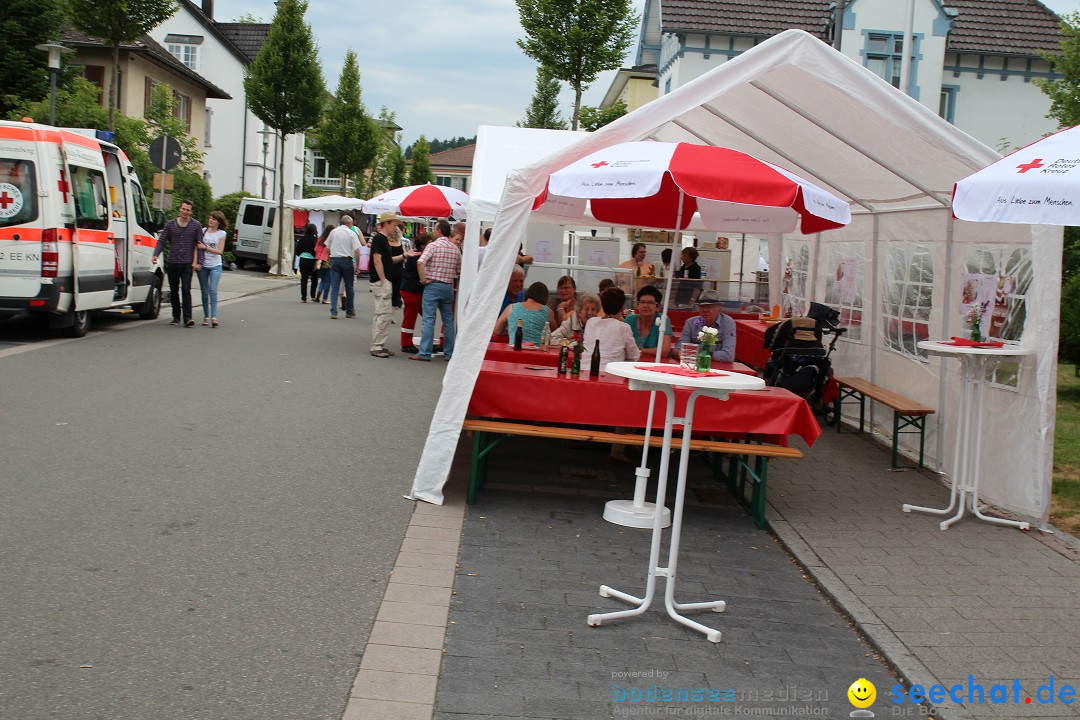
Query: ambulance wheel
{"points": [[150, 308], [80, 323]]}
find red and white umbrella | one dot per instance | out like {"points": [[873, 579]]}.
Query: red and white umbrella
{"points": [[1036, 185], [662, 185], [420, 201]]}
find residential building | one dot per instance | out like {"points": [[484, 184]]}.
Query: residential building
{"points": [[324, 177], [971, 61], [144, 64], [634, 86], [453, 167], [242, 152]]}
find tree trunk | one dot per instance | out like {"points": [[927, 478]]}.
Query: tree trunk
{"points": [[114, 87], [281, 208], [577, 107]]}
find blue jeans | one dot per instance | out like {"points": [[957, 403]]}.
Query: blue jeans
{"points": [[323, 292], [437, 296], [208, 282], [341, 270]]}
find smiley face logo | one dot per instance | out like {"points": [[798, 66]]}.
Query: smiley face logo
{"points": [[862, 693]]}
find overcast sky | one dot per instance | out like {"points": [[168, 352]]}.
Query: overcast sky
{"points": [[443, 67]]}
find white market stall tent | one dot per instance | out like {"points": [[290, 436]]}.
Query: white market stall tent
{"points": [[796, 102]]}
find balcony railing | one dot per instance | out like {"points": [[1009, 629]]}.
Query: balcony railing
{"points": [[325, 182]]}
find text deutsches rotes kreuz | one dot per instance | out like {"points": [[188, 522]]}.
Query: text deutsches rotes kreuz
{"points": [[1060, 166]]}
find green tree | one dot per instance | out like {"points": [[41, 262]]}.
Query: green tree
{"points": [[284, 86], [420, 170], [543, 111], [163, 121], [576, 40], [1064, 94], [347, 137], [399, 173], [23, 73], [594, 118], [189, 185], [381, 176], [118, 22]]}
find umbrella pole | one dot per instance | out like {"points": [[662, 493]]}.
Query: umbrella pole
{"points": [[638, 513]]}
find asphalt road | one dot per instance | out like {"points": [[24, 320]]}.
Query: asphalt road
{"points": [[199, 523]]}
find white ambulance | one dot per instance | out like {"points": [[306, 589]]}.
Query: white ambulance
{"points": [[76, 234]]}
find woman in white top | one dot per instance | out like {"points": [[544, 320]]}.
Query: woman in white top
{"points": [[211, 248], [615, 336]]}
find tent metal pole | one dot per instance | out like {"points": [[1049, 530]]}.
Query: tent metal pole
{"points": [[946, 321], [865, 152], [807, 171], [815, 263], [875, 310]]}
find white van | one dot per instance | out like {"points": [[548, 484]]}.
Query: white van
{"points": [[76, 234], [254, 222]]}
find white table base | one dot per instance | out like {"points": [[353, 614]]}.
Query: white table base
{"points": [[964, 491], [655, 569]]}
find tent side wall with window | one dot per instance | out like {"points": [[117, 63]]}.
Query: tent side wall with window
{"points": [[796, 102]]}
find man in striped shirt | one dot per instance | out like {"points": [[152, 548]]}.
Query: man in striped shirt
{"points": [[439, 266], [182, 234]]}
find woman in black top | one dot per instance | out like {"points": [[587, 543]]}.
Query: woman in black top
{"points": [[305, 250], [690, 268], [412, 292]]}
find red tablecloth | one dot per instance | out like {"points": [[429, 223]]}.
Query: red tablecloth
{"points": [[750, 342], [511, 391], [502, 352]]}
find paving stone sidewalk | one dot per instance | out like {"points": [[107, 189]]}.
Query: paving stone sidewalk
{"points": [[534, 551], [979, 600], [986, 601]]}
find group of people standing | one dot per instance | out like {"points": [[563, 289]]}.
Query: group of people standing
{"points": [[193, 249], [417, 276]]}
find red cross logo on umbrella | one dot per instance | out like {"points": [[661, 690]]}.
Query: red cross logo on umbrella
{"points": [[1033, 165], [600, 164]]}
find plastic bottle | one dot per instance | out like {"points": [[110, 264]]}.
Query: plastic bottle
{"points": [[518, 334], [545, 337]]}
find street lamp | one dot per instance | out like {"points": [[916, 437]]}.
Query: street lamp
{"points": [[266, 135], [55, 51]]}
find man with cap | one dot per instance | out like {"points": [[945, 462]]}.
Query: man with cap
{"points": [[439, 266], [709, 315], [344, 250], [381, 269]]}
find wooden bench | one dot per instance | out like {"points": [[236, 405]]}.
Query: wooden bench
{"points": [[906, 412], [747, 462]]}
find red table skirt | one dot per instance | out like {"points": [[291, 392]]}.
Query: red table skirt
{"points": [[513, 391], [750, 342]]}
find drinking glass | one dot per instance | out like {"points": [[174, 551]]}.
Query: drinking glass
{"points": [[688, 356]]}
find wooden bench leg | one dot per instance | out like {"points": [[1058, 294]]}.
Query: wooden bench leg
{"points": [[757, 496]]}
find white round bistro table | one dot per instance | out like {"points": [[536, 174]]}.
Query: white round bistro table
{"points": [[966, 472], [717, 386]]}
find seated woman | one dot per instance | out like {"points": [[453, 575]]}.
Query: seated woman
{"points": [[616, 339], [566, 303], [647, 336], [588, 306], [533, 313]]}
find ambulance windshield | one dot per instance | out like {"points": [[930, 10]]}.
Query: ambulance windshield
{"points": [[18, 197]]}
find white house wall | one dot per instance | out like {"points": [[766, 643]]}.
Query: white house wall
{"points": [[985, 105], [994, 111], [232, 165]]}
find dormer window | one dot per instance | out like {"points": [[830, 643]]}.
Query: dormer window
{"points": [[184, 48]]}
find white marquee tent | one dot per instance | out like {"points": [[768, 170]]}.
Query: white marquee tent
{"points": [[796, 102]]}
